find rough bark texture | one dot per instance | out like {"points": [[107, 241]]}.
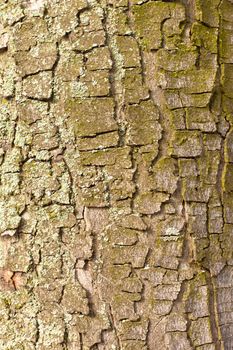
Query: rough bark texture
{"points": [[116, 193]]}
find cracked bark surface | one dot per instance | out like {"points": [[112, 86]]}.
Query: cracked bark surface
{"points": [[116, 191]]}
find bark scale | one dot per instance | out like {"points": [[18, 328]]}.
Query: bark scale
{"points": [[116, 192]]}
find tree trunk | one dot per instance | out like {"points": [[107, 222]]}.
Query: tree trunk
{"points": [[116, 210]]}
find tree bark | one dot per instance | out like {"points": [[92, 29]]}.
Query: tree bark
{"points": [[116, 192]]}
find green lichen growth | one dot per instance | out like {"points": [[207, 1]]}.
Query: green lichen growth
{"points": [[147, 21], [207, 11], [204, 36], [227, 178]]}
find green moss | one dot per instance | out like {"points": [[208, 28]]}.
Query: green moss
{"points": [[190, 81], [228, 147], [147, 11], [226, 47], [227, 178], [207, 11], [206, 37], [178, 119], [226, 242], [193, 293], [147, 20], [228, 207], [208, 167], [181, 59], [226, 10], [227, 80], [92, 116], [227, 104], [186, 143]]}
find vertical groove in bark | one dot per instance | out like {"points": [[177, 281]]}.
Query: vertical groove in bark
{"points": [[116, 195]]}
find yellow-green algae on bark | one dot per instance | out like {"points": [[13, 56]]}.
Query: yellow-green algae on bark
{"points": [[116, 185]]}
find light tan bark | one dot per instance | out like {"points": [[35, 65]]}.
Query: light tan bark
{"points": [[116, 192]]}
